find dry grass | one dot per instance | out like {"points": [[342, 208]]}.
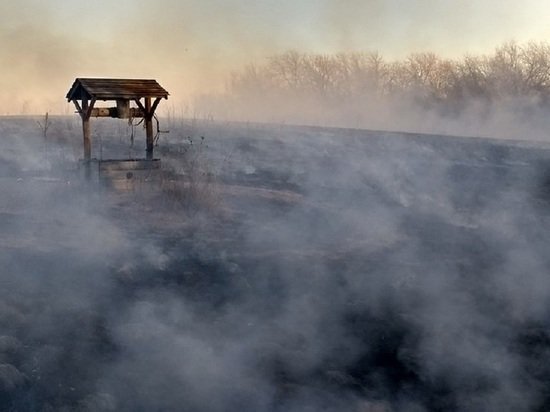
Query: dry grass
{"points": [[189, 183]]}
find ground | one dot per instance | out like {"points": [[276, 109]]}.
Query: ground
{"points": [[274, 268]]}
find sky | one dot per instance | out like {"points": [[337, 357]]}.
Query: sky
{"points": [[191, 46]]}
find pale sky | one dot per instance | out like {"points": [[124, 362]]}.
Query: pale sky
{"points": [[190, 46]]}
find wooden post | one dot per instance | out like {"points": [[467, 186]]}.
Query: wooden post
{"points": [[87, 141], [149, 128], [86, 131]]}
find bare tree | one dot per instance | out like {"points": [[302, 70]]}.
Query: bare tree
{"points": [[420, 68], [320, 72], [353, 81], [472, 78], [535, 58], [287, 70], [506, 71]]}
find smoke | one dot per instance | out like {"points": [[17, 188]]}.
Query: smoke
{"points": [[341, 270], [326, 269], [187, 47]]}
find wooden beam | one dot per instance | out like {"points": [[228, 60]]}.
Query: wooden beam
{"points": [[104, 112], [89, 109], [78, 108], [155, 105], [140, 105], [151, 111]]}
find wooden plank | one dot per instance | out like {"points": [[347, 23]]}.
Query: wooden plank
{"points": [[129, 174], [125, 165]]}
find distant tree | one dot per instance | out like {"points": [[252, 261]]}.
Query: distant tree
{"points": [[535, 59], [506, 71], [472, 76], [287, 70], [361, 73], [360, 81], [251, 81], [320, 73]]}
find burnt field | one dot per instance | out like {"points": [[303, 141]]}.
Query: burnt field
{"points": [[274, 268]]}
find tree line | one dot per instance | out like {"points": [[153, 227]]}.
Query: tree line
{"points": [[355, 82]]}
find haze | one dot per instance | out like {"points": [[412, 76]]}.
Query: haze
{"points": [[191, 47]]}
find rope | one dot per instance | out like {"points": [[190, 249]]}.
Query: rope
{"points": [[132, 126], [157, 135]]}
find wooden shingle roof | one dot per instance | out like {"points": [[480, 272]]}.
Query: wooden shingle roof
{"points": [[113, 89]]}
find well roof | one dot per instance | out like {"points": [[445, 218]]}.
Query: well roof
{"points": [[113, 89]]}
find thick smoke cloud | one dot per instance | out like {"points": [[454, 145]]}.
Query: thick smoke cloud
{"points": [[335, 270]]}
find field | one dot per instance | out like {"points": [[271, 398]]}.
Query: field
{"points": [[274, 268]]}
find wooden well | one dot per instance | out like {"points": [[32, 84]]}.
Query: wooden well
{"points": [[146, 94]]}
